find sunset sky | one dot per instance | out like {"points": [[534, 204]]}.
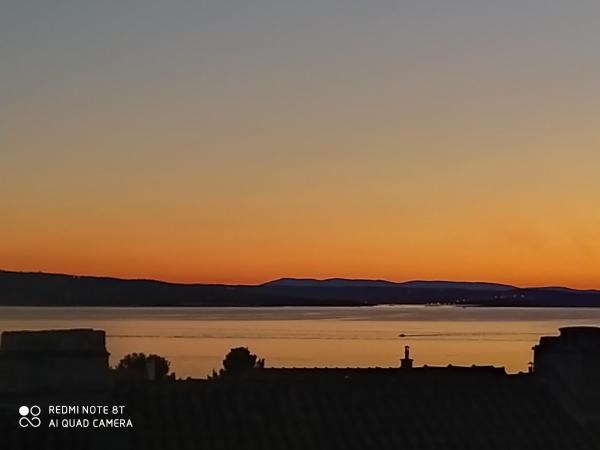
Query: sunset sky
{"points": [[242, 140]]}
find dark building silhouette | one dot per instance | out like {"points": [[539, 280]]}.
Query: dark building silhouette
{"points": [[406, 407], [53, 361], [570, 365]]}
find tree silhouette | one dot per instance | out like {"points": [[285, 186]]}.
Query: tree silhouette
{"points": [[141, 364], [238, 361]]}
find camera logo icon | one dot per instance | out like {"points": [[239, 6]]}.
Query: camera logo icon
{"points": [[29, 416]]}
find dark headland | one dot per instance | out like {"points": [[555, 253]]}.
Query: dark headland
{"points": [[45, 289]]}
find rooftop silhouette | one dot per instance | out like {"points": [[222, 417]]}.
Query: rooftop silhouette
{"points": [[408, 407]]}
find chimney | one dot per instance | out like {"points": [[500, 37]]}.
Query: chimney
{"points": [[406, 362]]}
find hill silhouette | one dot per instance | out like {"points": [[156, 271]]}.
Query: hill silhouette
{"points": [[345, 282], [46, 289]]}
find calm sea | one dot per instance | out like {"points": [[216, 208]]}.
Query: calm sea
{"points": [[195, 340]]}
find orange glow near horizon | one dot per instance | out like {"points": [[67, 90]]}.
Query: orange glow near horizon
{"points": [[394, 251], [351, 219]]}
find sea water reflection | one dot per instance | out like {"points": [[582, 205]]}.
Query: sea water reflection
{"points": [[196, 339]]}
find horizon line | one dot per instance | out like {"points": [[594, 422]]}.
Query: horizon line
{"points": [[196, 283]]}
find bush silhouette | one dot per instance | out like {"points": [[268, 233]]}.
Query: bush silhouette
{"points": [[139, 364], [238, 361]]}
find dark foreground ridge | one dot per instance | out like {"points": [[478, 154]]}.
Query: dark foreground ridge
{"points": [[554, 406], [41, 289]]}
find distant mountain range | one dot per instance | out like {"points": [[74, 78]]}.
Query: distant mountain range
{"points": [[344, 282], [44, 289]]}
